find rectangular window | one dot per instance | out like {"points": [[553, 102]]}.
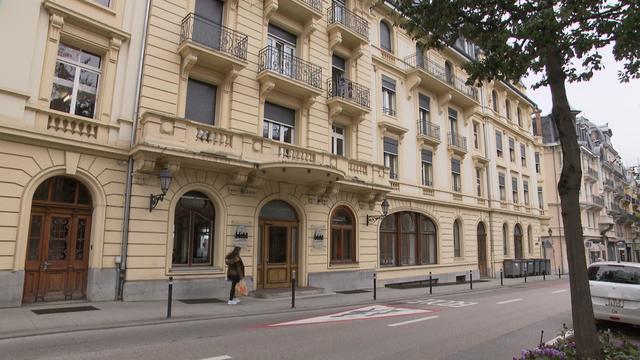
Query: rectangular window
{"points": [[279, 123], [388, 96], [501, 184], [337, 140], [514, 189], [479, 182], [512, 149], [75, 81], [453, 123], [476, 135], [104, 3], [201, 102], [455, 175], [540, 203], [427, 167], [523, 154], [499, 143], [391, 157], [537, 159], [525, 189], [424, 104]]}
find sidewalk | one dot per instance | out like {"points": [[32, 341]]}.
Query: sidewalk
{"points": [[19, 322]]}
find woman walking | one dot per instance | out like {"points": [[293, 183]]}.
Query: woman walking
{"points": [[235, 273]]}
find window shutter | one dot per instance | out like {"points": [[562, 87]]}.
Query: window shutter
{"points": [[537, 156], [523, 151], [201, 102], [385, 36], [455, 166], [501, 179], [282, 34], [391, 146], [525, 186], [453, 114], [514, 184], [499, 140], [388, 83], [280, 114], [338, 62], [424, 102], [427, 156], [512, 144]]}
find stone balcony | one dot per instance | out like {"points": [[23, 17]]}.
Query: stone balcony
{"points": [[166, 139], [346, 28]]}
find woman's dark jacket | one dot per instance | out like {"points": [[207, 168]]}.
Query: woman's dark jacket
{"points": [[235, 269]]}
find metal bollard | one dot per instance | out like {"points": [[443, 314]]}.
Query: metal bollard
{"points": [[470, 280], [501, 277], [559, 274], [375, 285], [526, 270], [170, 295], [544, 274], [430, 284], [293, 288]]}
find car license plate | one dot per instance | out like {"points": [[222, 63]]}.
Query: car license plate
{"points": [[615, 302]]}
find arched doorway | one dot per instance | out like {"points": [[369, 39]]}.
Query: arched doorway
{"points": [[517, 242], [57, 258], [278, 245], [482, 249]]}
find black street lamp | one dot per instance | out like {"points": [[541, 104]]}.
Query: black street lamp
{"points": [[385, 210], [165, 182]]}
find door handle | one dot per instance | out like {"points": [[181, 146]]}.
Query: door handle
{"points": [[45, 265]]}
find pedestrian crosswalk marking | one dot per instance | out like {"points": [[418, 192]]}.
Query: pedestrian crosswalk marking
{"points": [[442, 302], [367, 312]]}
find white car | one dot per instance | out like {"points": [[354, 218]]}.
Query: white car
{"points": [[615, 291]]}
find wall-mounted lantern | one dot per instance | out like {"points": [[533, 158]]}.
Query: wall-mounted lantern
{"points": [[165, 182], [385, 210]]}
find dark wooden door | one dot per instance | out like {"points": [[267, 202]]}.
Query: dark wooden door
{"points": [[277, 254], [482, 250], [57, 255]]}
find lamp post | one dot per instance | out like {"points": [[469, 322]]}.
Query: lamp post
{"points": [[165, 182], [385, 210]]}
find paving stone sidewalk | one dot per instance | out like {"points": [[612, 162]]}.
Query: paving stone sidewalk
{"points": [[22, 321]]}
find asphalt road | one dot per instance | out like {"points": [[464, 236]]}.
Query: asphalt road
{"points": [[493, 324]]}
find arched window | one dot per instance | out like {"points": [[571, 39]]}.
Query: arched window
{"points": [[448, 72], [530, 239], [517, 241], [505, 243], [193, 230], [456, 239], [407, 238], [519, 116], [494, 100], [507, 106], [385, 36], [343, 244]]}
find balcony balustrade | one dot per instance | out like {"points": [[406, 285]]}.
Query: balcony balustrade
{"points": [[290, 73], [591, 174], [457, 143], [354, 29], [428, 132], [437, 77], [215, 46], [352, 97], [597, 200]]}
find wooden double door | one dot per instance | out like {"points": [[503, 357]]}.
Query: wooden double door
{"points": [[277, 254], [57, 254]]}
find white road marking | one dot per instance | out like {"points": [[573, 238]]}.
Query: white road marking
{"points": [[222, 357], [413, 321], [559, 291], [508, 301], [368, 312], [442, 302]]}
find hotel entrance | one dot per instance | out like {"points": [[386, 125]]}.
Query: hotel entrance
{"points": [[278, 245]]}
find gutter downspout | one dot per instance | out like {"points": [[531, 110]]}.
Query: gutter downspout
{"points": [[122, 268], [560, 228]]}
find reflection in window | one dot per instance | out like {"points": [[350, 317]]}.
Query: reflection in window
{"points": [[407, 238], [193, 230]]}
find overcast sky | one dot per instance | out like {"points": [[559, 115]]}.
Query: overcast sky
{"points": [[604, 100]]}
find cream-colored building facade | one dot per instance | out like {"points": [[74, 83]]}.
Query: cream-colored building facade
{"points": [[279, 126]]}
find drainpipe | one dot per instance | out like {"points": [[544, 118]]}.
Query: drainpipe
{"points": [[122, 267]]}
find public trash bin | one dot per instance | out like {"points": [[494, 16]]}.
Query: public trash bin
{"points": [[511, 268]]}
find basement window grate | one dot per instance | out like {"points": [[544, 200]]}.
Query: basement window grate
{"points": [[201, 301], [63, 310]]}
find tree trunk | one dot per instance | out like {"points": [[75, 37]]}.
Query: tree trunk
{"points": [[586, 337]]}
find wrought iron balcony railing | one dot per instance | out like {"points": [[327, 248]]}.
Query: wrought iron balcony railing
{"points": [[428, 129], [338, 13], [415, 61], [593, 173], [459, 142], [215, 36], [314, 4], [348, 90], [598, 200], [290, 66]]}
